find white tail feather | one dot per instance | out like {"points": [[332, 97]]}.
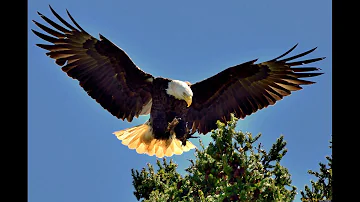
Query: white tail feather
{"points": [[142, 140]]}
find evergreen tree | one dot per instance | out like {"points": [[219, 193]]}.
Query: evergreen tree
{"points": [[232, 168], [321, 190]]}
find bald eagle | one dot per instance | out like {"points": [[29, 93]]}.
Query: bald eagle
{"points": [[177, 108]]}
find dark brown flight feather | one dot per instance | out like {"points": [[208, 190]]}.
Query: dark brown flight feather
{"points": [[105, 71], [245, 88]]}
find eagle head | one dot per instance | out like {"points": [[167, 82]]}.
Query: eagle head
{"points": [[180, 90]]}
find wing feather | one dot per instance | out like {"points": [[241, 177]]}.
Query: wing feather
{"points": [[103, 70], [54, 24], [245, 88]]}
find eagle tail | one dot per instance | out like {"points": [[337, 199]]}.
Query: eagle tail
{"points": [[142, 139]]}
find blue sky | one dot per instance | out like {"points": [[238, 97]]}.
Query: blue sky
{"points": [[72, 153]]}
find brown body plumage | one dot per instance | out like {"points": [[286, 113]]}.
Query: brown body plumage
{"points": [[177, 109]]}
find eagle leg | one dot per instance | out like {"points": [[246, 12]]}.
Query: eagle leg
{"points": [[173, 124]]}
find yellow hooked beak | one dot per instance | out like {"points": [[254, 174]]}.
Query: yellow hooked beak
{"points": [[188, 100]]}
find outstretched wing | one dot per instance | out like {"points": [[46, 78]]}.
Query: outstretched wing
{"points": [[245, 88], [105, 71]]}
